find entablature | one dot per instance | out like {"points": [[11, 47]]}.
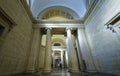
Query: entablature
{"points": [[58, 24]]}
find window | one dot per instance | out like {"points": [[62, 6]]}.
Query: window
{"points": [[57, 44]]}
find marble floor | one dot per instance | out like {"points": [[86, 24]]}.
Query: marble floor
{"points": [[64, 73]]}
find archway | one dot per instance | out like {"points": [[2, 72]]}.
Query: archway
{"points": [[59, 59], [58, 12]]}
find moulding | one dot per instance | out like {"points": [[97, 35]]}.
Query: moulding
{"points": [[65, 21], [114, 20], [6, 18], [27, 8], [90, 9]]}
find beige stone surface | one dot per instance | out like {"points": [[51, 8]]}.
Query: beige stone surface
{"points": [[98, 45], [15, 49], [42, 58], [48, 52], [34, 52], [72, 52]]}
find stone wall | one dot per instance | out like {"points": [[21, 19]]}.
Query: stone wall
{"points": [[15, 48], [105, 44], [87, 62], [41, 58]]}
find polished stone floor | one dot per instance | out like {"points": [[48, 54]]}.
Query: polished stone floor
{"points": [[64, 73]]}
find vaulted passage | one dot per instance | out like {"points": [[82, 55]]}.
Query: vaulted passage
{"points": [[59, 37]]}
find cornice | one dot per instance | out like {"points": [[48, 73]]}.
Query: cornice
{"points": [[5, 17], [27, 8], [114, 20], [65, 21], [90, 9]]}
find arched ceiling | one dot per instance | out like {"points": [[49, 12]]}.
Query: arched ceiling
{"points": [[59, 39], [58, 12], [78, 6]]}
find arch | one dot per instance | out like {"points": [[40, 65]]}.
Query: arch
{"points": [[58, 40], [57, 44], [70, 14]]}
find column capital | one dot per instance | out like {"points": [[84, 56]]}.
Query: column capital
{"points": [[68, 28]]}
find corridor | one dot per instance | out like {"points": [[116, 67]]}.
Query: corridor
{"points": [[37, 36]]}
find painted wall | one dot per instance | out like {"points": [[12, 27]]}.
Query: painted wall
{"points": [[15, 49], [104, 44]]}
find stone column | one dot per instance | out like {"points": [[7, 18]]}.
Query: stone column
{"points": [[86, 51], [74, 61], [47, 66], [53, 60], [62, 58], [65, 60], [68, 56], [80, 57], [34, 51], [41, 58], [38, 55]]}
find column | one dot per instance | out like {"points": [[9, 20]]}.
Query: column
{"points": [[74, 61], [62, 58], [38, 55], [86, 51], [68, 56], [53, 60], [47, 66], [66, 59], [80, 57], [34, 51], [41, 58]]}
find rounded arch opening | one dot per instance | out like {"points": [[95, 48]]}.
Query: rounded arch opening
{"points": [[58, 41], [58, 12]]}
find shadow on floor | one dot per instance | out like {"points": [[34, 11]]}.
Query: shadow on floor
{"points": [[64, 72]]}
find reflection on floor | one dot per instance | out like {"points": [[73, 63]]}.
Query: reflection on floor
{"points": [[58, 72]]}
